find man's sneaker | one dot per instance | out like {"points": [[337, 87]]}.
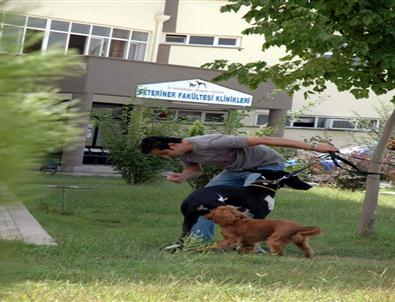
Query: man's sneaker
{"points": [[259, 250], [173, 248]]}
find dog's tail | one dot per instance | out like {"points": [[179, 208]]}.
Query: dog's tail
{"points": [[305, 232]]}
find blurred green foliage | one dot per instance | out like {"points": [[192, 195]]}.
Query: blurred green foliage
{"points": [[33, 120]]}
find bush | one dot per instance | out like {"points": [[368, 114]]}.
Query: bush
{"points": [[122, 138], [350, 181], [34, 120]]}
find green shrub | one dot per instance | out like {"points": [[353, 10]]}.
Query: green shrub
{"points": [[122, 138], [34, 120], [350, 181]]}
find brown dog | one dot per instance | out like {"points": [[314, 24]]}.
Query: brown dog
{"points": [[237, 228]]}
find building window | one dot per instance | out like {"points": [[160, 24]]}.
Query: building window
{"points": [[35, 40], [332, 123], [37, 23], [323, 123], [139, 36], [12, 19], [101, 31], [118, 49], [14, 36], [87, 39], [137, 51], [214, 117], [176, 39], [371, 124], [202, 40], [119, 43], [79, 28], [138, 46], [78, 43], [227, 41], [262, 119], [98, 47], [342, 124], [57, 40], [189, 116], [160, 114], [303, 121], [60, 25], [120, 33]]}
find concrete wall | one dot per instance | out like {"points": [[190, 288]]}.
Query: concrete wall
{"points": [[204, 17]]}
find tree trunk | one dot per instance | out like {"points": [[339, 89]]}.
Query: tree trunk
{"points": [[373, 181]]}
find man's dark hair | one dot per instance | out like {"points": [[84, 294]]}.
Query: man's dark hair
{"points": [[157, 142]]}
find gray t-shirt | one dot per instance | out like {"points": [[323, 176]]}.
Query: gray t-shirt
{"points": [[228, 152]]}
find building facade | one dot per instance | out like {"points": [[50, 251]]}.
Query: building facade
{"points": [[130, 43]]}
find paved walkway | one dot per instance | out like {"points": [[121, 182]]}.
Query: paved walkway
{"points": [[16, 223]]}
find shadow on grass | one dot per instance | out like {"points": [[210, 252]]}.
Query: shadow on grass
{"points": [[115, 235]]}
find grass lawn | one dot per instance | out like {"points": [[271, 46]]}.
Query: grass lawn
{"points": [[110, 240]]}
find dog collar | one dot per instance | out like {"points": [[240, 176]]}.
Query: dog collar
{"points": [[256, 185]]}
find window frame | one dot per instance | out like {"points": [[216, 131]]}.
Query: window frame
{"points": [[189, 110], [290, 122], [257, 114], [185, 37], [142, 45], [174, 113], [332, 121], [216, 39], [329, 123], [204, 113]]}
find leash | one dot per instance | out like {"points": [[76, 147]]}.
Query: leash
{"points": [[319, 158], [335, 157], [267, 188], [369, 160], [289, 175]]}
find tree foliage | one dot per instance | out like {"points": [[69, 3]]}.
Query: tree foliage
{"points": [[33, 120], [122, 137], [350, 43]]}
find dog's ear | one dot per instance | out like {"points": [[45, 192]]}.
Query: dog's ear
{"points": [[295, 183], [245, 211], [225, 215], [232, 214]]}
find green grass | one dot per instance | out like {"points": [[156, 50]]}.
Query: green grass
{"points": [[110, 240]]}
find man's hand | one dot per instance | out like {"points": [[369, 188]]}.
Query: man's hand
{"points": [[176, 177], [189, 172]]}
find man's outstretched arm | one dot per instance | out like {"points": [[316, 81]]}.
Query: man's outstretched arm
{"points": [[285, 142]]}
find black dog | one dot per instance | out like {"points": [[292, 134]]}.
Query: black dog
{"points": [[258, 198]]}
